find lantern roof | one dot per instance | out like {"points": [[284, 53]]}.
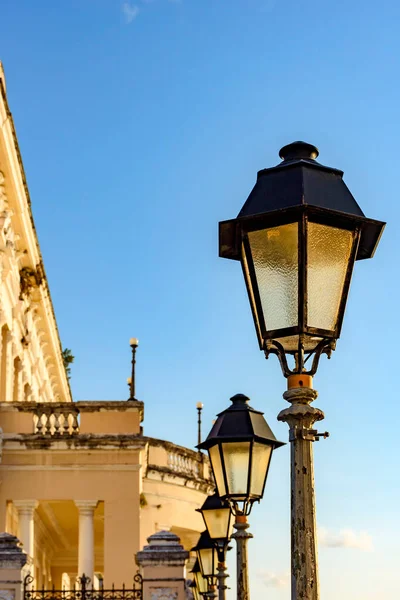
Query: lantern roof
{"points": [[240, 422], [204, 542], [196, 567], [300, 181], [214, 502]]}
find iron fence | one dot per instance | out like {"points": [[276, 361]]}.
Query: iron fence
{"points": [[84, 591]]}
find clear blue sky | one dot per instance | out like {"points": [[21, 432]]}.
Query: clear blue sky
{"points": [[141, 125]]}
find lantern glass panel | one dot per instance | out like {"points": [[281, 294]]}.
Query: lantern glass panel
{"points": [[215, 459], [208, 561], [201, 582], [195, 593], [275, 257], [218, 522], [291, 343], [260, 462], [236, 459], [328, 250]]}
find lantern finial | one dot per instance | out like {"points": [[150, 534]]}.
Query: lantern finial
{"points": [[299, 150], [240, 399]]}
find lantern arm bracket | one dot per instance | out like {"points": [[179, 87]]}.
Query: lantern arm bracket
{"points": [[310, 435], [325, 346]]}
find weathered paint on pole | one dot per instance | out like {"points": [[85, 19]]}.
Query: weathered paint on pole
{"points": [[221, 576], [242, 536], [301, 417]]}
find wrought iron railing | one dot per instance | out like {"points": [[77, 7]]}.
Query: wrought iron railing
{"points": [[84, 591]]}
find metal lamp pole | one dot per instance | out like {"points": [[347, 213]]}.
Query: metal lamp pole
{"points": [[222, 576], [300, 417], [242, 536]]}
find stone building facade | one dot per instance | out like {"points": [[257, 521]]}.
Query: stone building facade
{"points": [[81, 486]]}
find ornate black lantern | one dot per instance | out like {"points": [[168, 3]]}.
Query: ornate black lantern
{"points": [[195, 591], [240, 447], [297, 237], [217, 516], [201, 582], [207, 556]]}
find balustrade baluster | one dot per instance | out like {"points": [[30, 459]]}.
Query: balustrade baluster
{"points": [[57, 424], [47, 425], [75, 424]]}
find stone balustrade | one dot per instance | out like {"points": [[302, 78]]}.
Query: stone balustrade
{"points": [[181, 463], [169, 459], [56, 419]]}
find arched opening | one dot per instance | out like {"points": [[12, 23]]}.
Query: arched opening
{"points": [[3, 365], [16, 383], [27, 392]]}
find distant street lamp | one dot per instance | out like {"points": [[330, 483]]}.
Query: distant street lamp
{"points": [[199, 407], [206, 553], [195, 591], [240, 446], [217, 517], [297, 237], [134, 343], [200, 581]]}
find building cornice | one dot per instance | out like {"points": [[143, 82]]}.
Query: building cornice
{"points": [[32, 256]]}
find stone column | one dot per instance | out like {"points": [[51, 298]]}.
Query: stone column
{"points": [[163, 567], [26, 517], [9, 367], [86, 537], [301, 417], [13, 563]]}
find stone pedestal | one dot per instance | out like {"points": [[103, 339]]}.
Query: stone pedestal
{"points": [[14, 566], [163, 567]]}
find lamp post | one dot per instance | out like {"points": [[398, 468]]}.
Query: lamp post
{"points": [[240, 446], [297, 237], [199, 406], [217, 516], [134, 343]]}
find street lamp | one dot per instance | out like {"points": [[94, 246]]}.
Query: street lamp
{"points": [[206, 553], [297, 237], [199, 406], [217, 516], [201, 582], [195, 591], [134, 343], [240, 446]]}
